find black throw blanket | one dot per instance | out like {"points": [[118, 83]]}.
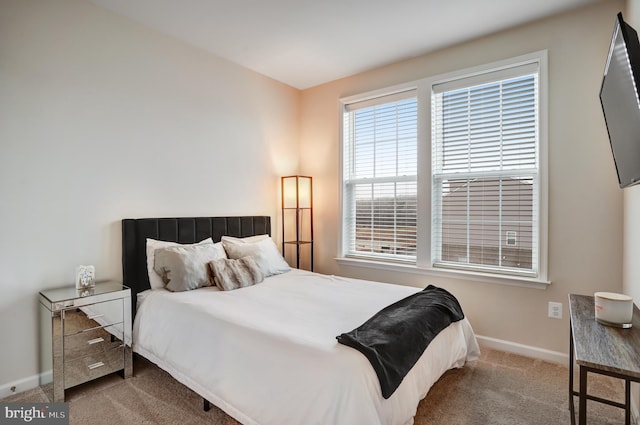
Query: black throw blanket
{"points": [[394, 338]]}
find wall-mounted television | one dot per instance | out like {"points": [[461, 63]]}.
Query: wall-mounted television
{"points": [[621, 103]]}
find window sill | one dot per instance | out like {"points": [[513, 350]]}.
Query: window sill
{"points": [[509, 280]]}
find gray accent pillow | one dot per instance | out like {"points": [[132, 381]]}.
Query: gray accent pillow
{"points": [[184, 268], [233, 274]]}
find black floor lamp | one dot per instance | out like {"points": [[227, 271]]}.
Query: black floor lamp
{"points": [[297, 221]]}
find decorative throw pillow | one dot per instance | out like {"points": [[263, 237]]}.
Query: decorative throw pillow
{"points": [[233, 274], [155, 280], [264, 252], [184, 268]]}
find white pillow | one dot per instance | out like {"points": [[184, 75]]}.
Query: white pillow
{"points": [[248, 239], [155, 280], [264, 251]]}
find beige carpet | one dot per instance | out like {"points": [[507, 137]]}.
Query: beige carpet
{"points": [[500, 388]]}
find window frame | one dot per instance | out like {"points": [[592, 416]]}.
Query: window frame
{"points": [[398, 95], [423, 263]]}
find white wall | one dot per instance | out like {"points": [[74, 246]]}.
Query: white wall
{"points": [[632, 241], [631, 265], [585, 204], [102, 119], [632, 203]]}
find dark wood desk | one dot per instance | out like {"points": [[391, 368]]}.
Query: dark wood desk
{"points": [[601, 349]]}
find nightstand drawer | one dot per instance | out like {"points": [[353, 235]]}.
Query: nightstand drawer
{"points": [[92, 316], [92, 341], [93, 366]]}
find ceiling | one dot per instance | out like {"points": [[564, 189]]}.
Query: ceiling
{"points": [[304, 43]]}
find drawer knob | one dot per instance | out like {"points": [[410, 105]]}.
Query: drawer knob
{"points": [[95, 340], [95, 365]]}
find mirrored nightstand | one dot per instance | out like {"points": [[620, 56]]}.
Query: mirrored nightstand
{"points": [[85, 334]]}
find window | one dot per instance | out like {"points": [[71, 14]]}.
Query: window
{"points": [[479, 204], [485, 171], [380, 177]]}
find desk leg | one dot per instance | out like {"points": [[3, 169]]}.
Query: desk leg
{"points": [[627, 402], [572, 410], [582, 404]]}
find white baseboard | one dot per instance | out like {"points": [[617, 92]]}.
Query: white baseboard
{"points": [[524, 350], [19, 386]]}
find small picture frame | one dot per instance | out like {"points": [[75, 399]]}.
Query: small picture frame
{"points": [[85, 277]]}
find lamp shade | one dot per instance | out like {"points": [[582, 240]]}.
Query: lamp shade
{"points": [[296, 192]]}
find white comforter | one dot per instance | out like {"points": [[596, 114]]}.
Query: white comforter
{"points": [[268, 355]]}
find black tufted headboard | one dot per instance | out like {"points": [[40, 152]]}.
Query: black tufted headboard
{"points": [[183, 230]]}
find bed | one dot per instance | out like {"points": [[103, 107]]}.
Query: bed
{"points": [[267, 354]]}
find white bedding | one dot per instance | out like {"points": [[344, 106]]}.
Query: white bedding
{"points": [[268, 355]]}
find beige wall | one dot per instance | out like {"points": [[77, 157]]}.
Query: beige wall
{"points": [[102, 119], [585, 204]]}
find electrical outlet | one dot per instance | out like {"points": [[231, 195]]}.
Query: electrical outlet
{"points": [[555, 310]]}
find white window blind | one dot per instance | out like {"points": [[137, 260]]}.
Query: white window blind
{"points": [[485, 172], [380, 177]]}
